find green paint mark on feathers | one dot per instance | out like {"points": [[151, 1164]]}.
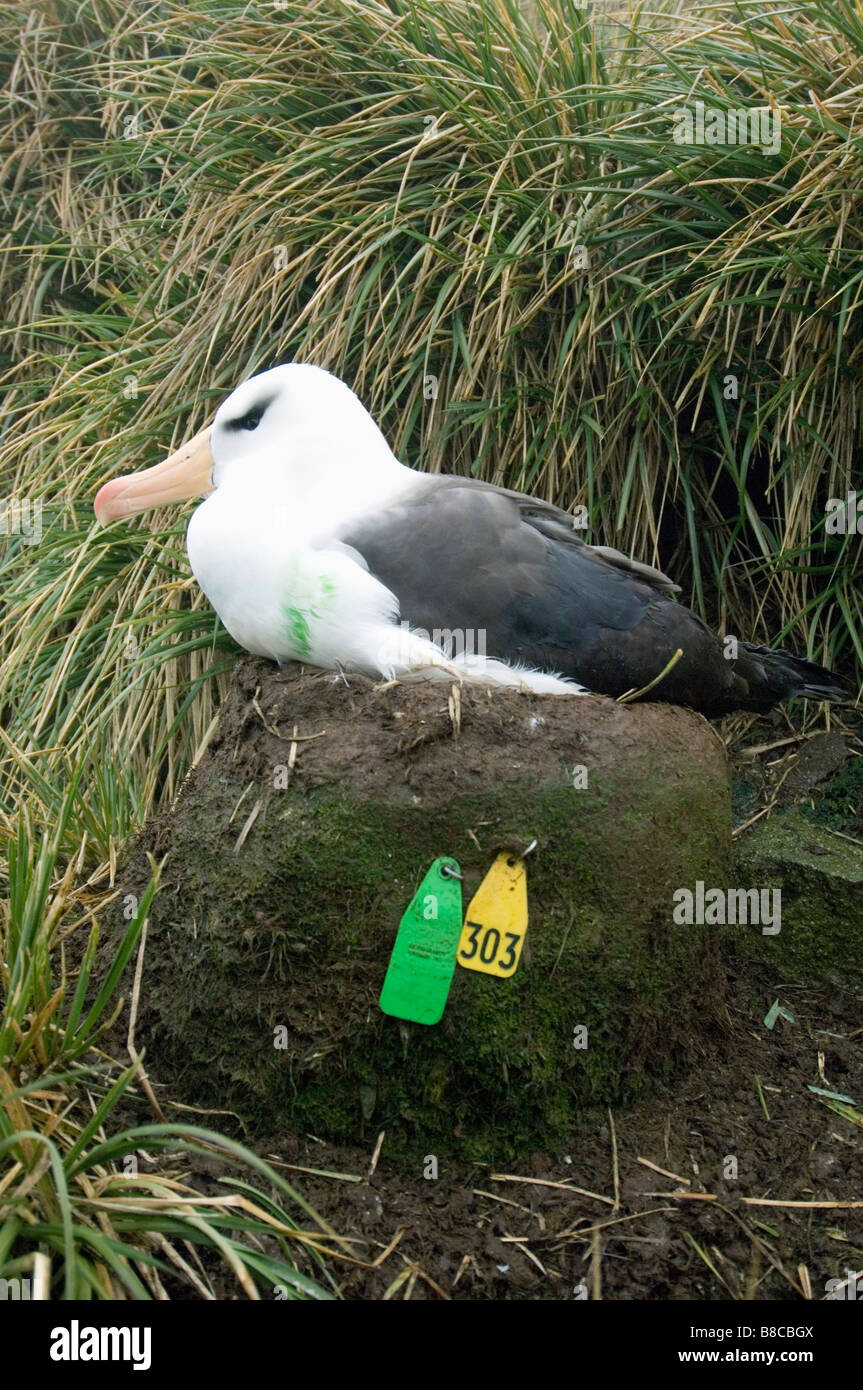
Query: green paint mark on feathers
{"points": [[298, 630], [297, 618]]}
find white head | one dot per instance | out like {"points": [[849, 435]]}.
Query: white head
{"points": [[291, 434]]}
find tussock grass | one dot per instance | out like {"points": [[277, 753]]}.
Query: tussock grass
{"points": [[81, 1216], [395, 191]]}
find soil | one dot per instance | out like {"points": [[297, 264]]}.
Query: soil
{"points": [[644, 1235], [734, 1178]]}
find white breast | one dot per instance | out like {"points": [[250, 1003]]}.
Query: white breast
{"points": [[281, 594]]}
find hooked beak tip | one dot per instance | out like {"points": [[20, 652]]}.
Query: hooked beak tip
{"points": [[186, 473], [102, 502]]}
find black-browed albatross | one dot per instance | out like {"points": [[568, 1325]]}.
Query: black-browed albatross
{"points": [[316, 545]]}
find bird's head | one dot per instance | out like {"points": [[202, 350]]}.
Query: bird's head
{"points": [[294, 429]]}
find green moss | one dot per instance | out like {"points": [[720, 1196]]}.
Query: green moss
{"points": [[840, 805], [821, 878], [297, 931]]}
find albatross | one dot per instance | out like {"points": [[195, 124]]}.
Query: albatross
{"points": [[315, 544]]}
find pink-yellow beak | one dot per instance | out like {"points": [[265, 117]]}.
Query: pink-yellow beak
{"points": [[186, 473]]}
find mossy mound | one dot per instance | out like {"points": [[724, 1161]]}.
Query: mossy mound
{"points": [[276, 927]]}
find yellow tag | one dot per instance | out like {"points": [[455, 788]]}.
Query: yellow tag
{"points": [[496, 921]]}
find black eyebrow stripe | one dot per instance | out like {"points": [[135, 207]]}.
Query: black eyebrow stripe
{"points": [[257, 409]]}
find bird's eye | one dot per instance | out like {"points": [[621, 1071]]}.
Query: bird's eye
{"points": [[250, 420]]}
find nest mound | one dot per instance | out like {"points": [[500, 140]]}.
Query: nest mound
{"points": [[304, 831]]}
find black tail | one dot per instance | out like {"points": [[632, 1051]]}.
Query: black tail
{"points": [[772, 676]]}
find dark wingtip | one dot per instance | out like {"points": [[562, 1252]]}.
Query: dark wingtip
{"points": [[787, 677]]}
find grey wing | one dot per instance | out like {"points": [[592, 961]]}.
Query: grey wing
{"points": [[466, 556], [554, 522]]}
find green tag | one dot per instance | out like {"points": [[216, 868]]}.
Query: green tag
{"points": [[423, 960]]}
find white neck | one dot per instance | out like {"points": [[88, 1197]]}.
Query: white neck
{"points": [[326, 482]]}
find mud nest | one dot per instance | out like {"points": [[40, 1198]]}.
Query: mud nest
{"points": [[297, 843]]}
